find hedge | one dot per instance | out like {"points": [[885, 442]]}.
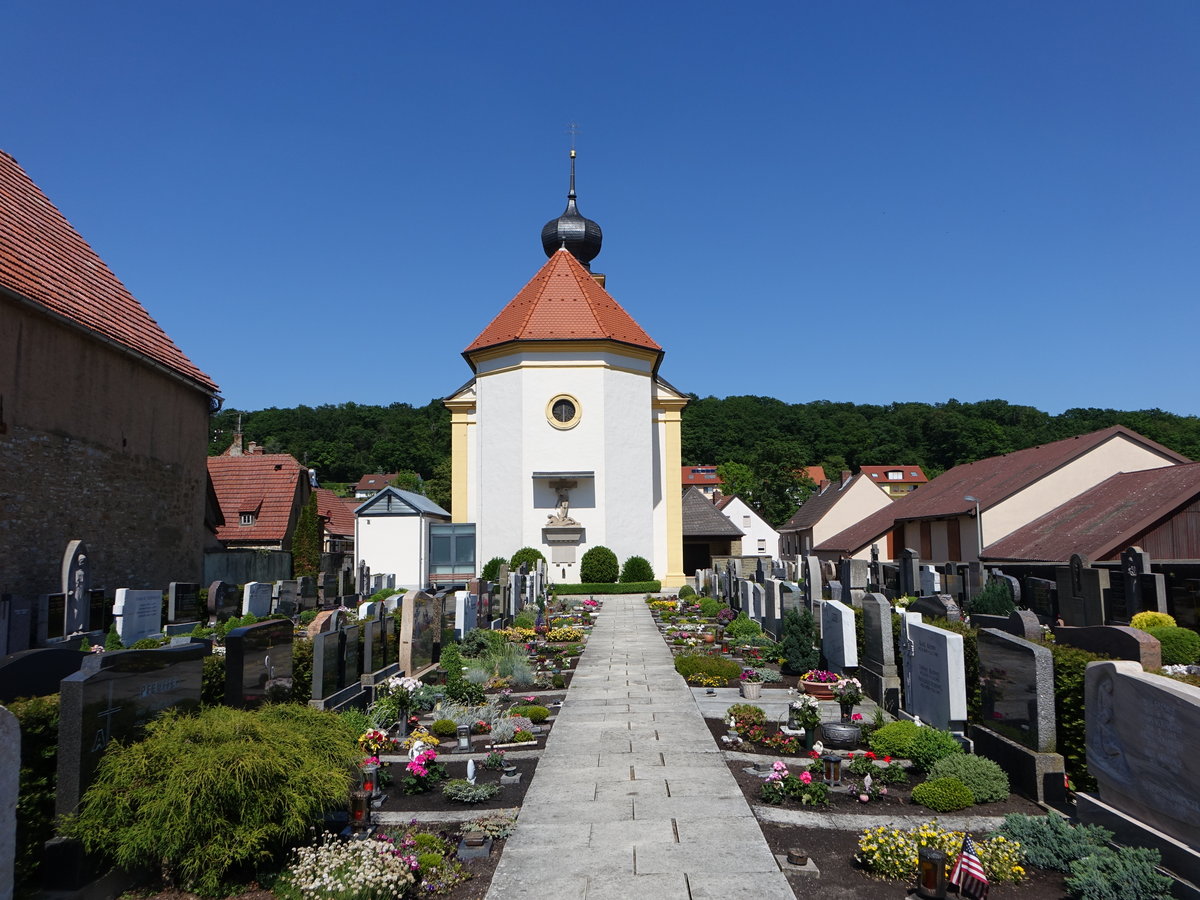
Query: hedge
{"points": [[633, 587]]}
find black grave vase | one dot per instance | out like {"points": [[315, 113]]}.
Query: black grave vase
{"points": [[847, 711]]}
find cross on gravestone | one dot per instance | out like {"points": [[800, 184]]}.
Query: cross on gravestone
{"points": [[874, 576], [76, 583], [910, 575], [1081, 591]]}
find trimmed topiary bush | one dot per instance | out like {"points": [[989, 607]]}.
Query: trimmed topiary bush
{"points": [[599, 564], [986, 781], [491, 568], [637, 568], [688, 664], [943, 795], [1148, 619], [709, 607], [684, 592], [894, 739], [1180, 646], [444, 728], [526, 555], [929, 745], [1051, 842]]}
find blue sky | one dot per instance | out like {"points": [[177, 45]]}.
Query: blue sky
{"points": [[859, 201]]}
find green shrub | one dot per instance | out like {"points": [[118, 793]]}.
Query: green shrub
{"points": [[1148, 619], [526, 555], [1051, 842], [38, 718], [462, 691], [798, 644], [526, 618], [747, 714], [1070, 669], [302, 663], [593, 587], [636, 568], [995, 599], [1180, 646], [462, 791], [207, 799], [709, 607], [523, 736], [112, 640], [599, 564], [535, 714], [894, 739], [743, 627], [1125, 874], [481, 642], [491, 568], [684, 592], [929, 745], [444, 728], [688, 664], [212, 681], [987, 782], [943, 795]]}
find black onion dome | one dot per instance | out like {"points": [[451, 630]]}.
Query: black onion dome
{"points": [[580, 235]]}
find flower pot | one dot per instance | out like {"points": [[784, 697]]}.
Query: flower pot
{"points": [[818, 690], [840, 736], [710, 638], [751, 690]]}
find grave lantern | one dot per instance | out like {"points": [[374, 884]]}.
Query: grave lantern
{"points": [[464, 739], [832, 768], [931, 873], [368, 778], [360, 811]]}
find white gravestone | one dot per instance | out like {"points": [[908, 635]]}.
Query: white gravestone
{"points": [[837, 637], [138, 613], [256, 599], [935, 678]]}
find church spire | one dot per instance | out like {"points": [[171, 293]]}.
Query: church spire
{"points": [[572, 231]]}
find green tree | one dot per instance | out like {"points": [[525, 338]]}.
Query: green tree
{"points": [[306, 540], [409, 481]]}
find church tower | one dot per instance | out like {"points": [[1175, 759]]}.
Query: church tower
{"points": [[566, 437]]}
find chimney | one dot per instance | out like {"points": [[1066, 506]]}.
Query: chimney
{"points": [[845, 476], [253, 448], [235, 449]]}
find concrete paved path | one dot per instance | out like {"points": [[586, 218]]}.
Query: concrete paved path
{"points": [[631, 797]]}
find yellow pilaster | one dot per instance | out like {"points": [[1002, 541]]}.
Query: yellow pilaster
{"points": [[459, 474], [672, 460]]}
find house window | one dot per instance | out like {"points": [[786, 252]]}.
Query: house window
{"points": [[895, 476], [452, 549], [745, 522], [762, 545], [247, 518], [563, 411]]}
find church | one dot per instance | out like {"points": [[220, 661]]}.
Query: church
{"points": [[566, 437]]}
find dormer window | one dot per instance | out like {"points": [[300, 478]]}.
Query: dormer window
{"points": [[894, 475], [247, 518]]}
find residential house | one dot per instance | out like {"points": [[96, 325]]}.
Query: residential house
{"points": [[703, 477], [896, 481], [404, 534], [103, 419], [337, 521], [758, 537], [706, 532], [261, 496], [371, 484], [978, 503], [834, 506]]}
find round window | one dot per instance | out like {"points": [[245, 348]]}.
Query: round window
{"points": [[563, 411]]}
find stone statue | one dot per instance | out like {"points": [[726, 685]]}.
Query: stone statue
{"points": [[562, 508]]}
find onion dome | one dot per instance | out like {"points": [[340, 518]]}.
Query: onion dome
{"points": [[580, 235]]}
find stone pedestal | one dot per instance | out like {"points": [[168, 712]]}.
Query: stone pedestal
{"points": [[1031, 773]]}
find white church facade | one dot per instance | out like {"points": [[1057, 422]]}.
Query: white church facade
{"points": [[567, 437]]}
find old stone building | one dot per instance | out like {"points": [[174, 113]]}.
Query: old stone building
{"points": [[103, 419]]}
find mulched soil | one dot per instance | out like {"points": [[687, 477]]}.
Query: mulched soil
{"points": [[434, 801]]}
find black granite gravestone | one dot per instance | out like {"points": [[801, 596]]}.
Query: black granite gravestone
{"points": [[54, 617], [373, 658], [183, 602], [18, 620], [37, 672], [258, 663], [327, 657], [1041, 595]]}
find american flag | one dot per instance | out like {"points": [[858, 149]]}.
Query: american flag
{"points": [[968, 874]]}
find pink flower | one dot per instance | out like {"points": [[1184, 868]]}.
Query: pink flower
{"points": [[806, 777], [857, 717]]}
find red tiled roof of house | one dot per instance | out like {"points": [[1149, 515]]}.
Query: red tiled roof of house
{"points": [[701, 475], [816, 474], [1101, 522], [338, 512], [562, 302], [991, 480], [374, 481], [909, 474], [260, 483], [44, 260]]}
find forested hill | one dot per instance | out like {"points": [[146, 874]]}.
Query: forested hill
{"points": [[345, 441]]}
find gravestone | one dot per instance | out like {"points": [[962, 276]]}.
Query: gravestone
{"points": [[76, 585], [373, 652], [16, 623], [1041, 595], [910, 572], [835, 591], [256, 599], [138, 613], [1140, 730], [789, 597], [289, 597], [1017, 689], [931, 581], [939, 606], [814, 586], [363, 581], [258, 664], [37, 672], [221, 604], [1024, 623], [326, 665], [935, 681], [466, 612], [352, 657], [838, 643], [110, 698], [1014, 586], [877, 670], [419, 627], [852, 573], [758, 602], [1081, 591], [307, 586], [330, 587], [874, 575], [10, 785], [1115, 641], [370, 610], [52, 618], [99, 610], [183, 602]]}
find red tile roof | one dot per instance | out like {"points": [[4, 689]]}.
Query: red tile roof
{"points": [[697, 476], [991, 480], [816, 474], [338, 512], [910, 474], [1101, 522], [562, 302], [262, 483], [44, 260], [374, 481]]}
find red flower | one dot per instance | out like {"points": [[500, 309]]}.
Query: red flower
{"points": [[869, 755], [887, 759], [813, 754]]}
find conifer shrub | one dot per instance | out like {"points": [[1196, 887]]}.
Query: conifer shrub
{"points": [[599, 565], [208, 799], [444, 728], [987, 782], [491, 568], [798, 643], [636, 568], [994, 600], [1070, 674], [894, 739], [1051, 842], [709, 606], [526, 555], [1125, 874], [930, 745], [1148, 619], [38, 718], [685, 592], [943, 795], [1180, 646]]}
